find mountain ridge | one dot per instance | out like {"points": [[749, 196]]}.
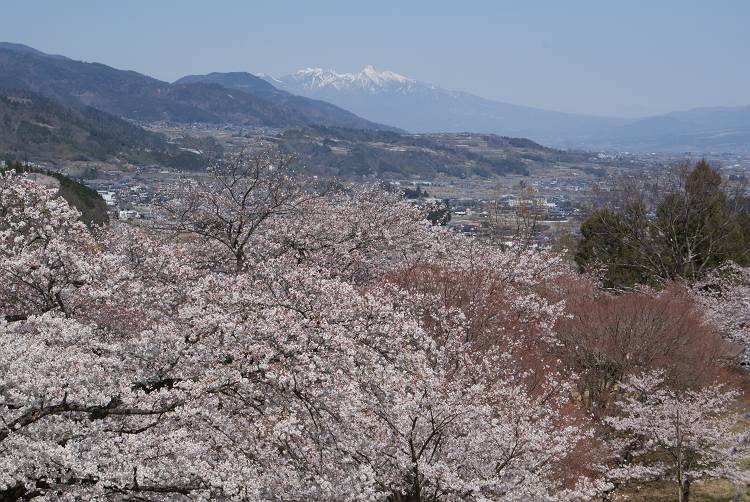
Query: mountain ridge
{"points": [[136, 96]]}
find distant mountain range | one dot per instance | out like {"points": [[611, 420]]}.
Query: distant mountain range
{"points": [[420, 107], [138, 97], [366, 100], [696, 130], [385, 96]]}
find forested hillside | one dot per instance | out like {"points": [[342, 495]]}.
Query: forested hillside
{"points": [[347, 152], [32, 126]]}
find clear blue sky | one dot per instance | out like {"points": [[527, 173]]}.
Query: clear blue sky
{"points": [[625, 58]]}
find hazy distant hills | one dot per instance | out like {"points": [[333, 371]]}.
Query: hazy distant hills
{"points": [[697, 130], [239, 80], [385, 96], [420, 107], [135, 96]]}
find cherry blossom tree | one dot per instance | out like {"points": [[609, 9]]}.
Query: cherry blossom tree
{"points": [[302, 371], [357, 232], [725, 296], [683, 436], [42, 245], [484, 309], [235, 198]]}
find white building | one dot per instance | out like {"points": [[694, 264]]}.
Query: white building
{"points": [[109, 197], [127, 214]]}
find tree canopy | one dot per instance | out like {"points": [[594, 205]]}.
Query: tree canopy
{"points": [[697, 224]]}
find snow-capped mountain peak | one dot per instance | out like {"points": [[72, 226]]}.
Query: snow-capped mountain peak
{"points": [[312, 71], [368, 79], [370, 73]]}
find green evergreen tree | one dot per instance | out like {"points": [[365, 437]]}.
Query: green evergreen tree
{"points": [[696, 228]]}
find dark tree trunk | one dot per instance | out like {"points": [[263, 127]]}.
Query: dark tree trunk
{"points": [[685, 490]]}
